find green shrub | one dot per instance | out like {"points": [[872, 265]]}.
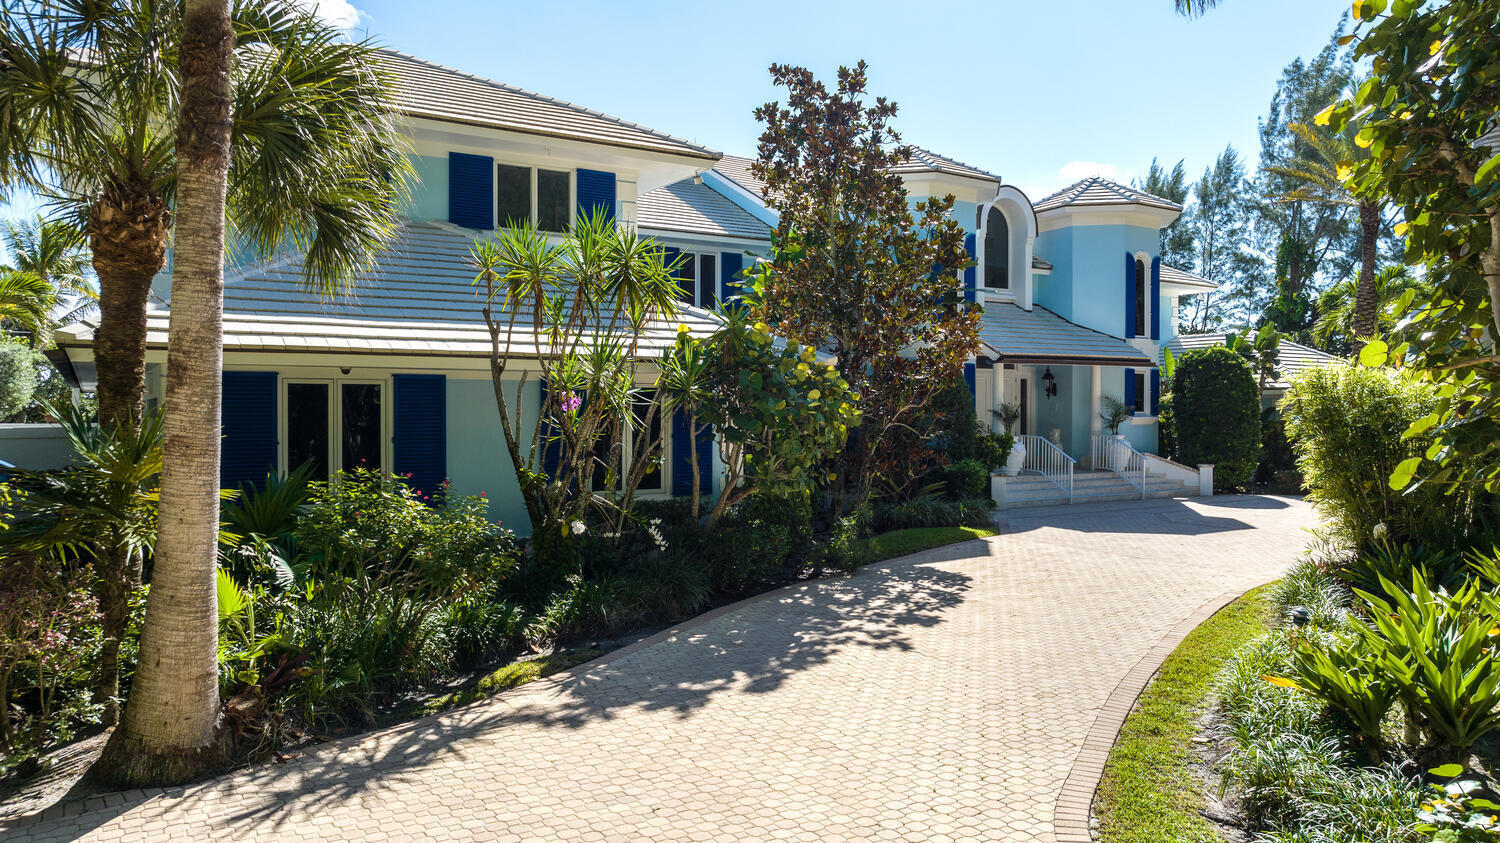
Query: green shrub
{"points": [[846, 548], [18, 377], [483, 625], [1276, 455], [1345, 672], [1307, 587], [1436, 649], [994, 450], [1216, 415], [1345, 424], [968, 478]]}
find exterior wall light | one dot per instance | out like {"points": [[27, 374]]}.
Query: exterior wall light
{"points": [[1049, 383]]}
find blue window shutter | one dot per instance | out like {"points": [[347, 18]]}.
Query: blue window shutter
{"points": [[970, 290], [1155, 390], [1155, 300], [683, 284], [682, 468], [596, 193], [731, 264], [420, 438], [248, 452], [551, 450], [705, 461], [471, 191], [969, 376], [1129, 295], [1130, 389]]}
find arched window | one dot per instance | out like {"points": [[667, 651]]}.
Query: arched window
{"points": [[1142, 284], [996, 251]]}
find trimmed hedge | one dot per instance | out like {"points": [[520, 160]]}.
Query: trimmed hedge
{"points": [[1216, 415]]}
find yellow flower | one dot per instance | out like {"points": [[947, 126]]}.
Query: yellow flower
{"points": [[682, 329]]}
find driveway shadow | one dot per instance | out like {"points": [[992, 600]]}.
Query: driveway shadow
{"points": [[752, 647], [1158, 516]]}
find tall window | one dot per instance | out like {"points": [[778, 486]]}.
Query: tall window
{"points": [[996, 251], [651, 480], [334, 425], [698, 279], [1141, 286], [528, 194], [1141, 389]]}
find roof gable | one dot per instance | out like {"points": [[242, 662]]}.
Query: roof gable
{"points": [[696, 209], [1096, 191], [426, 89]]}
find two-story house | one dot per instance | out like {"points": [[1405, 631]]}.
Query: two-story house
{"points": [[396, 375]]}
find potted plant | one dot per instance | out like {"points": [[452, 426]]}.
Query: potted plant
{"points": [[1114, 414], [1009, 414]]}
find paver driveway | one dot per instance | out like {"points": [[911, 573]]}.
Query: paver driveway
{"points": [[943, 695]]}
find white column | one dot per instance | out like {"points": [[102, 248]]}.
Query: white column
{"points": [[997, 397], [1096, 401]]}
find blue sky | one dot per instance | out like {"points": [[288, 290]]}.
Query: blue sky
{"points": [[1040, 93]]}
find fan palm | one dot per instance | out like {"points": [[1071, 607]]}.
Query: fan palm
{"points": [[1335, 330], [88, 117], [1194, 8], [1319, 171], [26, 301], [54, 251]]}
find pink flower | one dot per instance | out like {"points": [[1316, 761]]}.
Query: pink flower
{"points": [[571, 403]]}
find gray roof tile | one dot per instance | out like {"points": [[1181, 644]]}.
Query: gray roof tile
{"points": [[1096, 190], [425, 89], [1041, 336], [1173, 275], [927, 161], [696, 209], [1293, 358]]}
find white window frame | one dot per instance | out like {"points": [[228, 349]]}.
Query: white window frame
{"points": [[697, 258], [572, 193], [1142, 392], [1143, 332], [336, 420], [627, 456]]}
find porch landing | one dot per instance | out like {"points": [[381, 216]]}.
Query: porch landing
{"points": [[1031, 488]]}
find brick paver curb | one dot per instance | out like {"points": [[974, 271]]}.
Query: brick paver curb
{"points": [[1071, 817]]}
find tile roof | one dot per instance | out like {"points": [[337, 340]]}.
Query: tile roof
{"points": [[927, 161], [1293, 358], [1173, 275], [1038, 263], [737, 169], [1041, 336], [418, 299], [1096, 190], [696, 209], [425, 89]]}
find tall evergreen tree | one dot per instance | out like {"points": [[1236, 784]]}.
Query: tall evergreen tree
{"points": [[1177, 238], [1217, 221]]}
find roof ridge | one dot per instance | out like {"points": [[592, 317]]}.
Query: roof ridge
{"points": [[551, 99]]}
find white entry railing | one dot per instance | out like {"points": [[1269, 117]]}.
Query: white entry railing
{"points": [[1048, 460], [1121, 457]]}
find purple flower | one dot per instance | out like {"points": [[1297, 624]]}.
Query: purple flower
{"points": [[571, 403]]}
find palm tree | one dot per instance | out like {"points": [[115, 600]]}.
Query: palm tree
{"points": [[1194, 8], [168, 731], [26, 301], [89, 94], [1325, 158], [1335, 329], [52, 253], [88, 118]]}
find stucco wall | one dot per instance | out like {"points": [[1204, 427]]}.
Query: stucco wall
{"points": [[428, 199], [477, 459]]}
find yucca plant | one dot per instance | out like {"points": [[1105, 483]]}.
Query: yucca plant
{"points": [[1347, 674], [1438, 650]]}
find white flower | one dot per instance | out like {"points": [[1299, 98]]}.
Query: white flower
{"points": [[578, 528], [1380, 531]]}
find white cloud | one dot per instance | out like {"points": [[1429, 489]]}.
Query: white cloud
{"points": [[340, 13], [1075, 170]]}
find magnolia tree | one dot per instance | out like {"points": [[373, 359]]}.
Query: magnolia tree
{"points": [[856, 269], [1426, 118]]}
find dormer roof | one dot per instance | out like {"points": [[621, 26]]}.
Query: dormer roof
{"points": [[1097, 191], [426, 89]]}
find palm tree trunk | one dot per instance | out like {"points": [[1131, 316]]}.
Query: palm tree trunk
{"points": [[167, 734], [1365, 301], [128, 233]]}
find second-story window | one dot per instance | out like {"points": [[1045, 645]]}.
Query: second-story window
{"points": [[1142, 285], [996, 251], [698, 278], [530, 194]]}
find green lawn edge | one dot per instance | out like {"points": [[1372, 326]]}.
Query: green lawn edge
{"points": [[1149, 793], [914, 539]]}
